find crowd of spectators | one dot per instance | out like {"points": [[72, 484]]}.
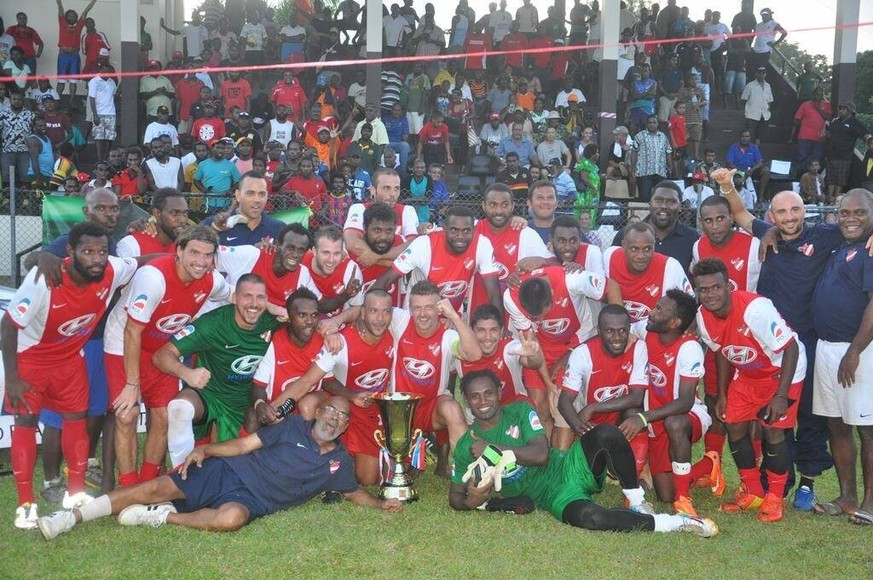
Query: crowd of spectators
{"points": [[527, 114]]}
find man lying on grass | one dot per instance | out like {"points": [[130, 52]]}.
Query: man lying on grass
{"points": [[279, 467], [506, 450]]}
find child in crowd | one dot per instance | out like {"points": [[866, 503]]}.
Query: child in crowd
{"points": [[678, 134], [439, 191], [812, 186]]}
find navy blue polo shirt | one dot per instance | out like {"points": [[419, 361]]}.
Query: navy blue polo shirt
{"points": [[290, 469], [789, 277], [841, 294], [242, 235], [679, 244]]}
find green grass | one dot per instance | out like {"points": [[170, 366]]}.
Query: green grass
{"points": [[430, 540]]}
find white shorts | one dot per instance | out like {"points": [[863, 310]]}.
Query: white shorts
{"points": [[416, 122], [829, 399]]}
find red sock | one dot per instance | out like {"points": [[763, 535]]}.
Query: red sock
{"points": [[776, 483], [714, 442], [701, 469], [640, 447], [75, 443], [751, 478], [149, 471], [128, 479], [23, 461], [757, 445], [683, 484]]}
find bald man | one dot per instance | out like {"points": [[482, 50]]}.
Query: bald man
{"points": [[281, 466], [789, 279], [843, 321]]}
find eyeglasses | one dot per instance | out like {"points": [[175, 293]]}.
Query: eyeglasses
{"points": [[335, 413]]}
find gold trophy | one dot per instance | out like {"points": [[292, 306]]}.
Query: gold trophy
{"points": [[397, 411]]}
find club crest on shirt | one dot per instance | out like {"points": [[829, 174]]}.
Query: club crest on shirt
{"points": [[434, 349], [101, 294], [807, 249], [334, 466], [510, 248], [669, 359], [562, 302], [468, 264], [851, 254], [653, 290], [339, 287], [627, 367], [513, 431], [199, 297], [738, 263]]}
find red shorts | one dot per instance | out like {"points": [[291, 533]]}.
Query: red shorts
{"points": [[659, 445], [710, 377], [359, 436], [63, 389], [157, 389], [746, 398], [533, 380], [423, 419]]}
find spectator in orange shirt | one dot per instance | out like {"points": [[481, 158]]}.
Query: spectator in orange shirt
{"points": [[236, 90]]}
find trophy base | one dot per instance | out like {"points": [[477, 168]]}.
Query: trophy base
{"points": [[402, 493]]}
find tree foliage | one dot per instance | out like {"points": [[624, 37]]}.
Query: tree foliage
{"points": [[864, 82]]}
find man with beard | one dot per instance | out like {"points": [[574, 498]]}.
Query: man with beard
{"points": [[672, 237], [162, 299], [281, 129], [739, 252], [170, 218], [449, 258], [46, 327], [843, 320], [504, 356], [228, 344], [360, 368], [643, 274], [762, 353], [380, 237], [788, 278], [336, 276], [384, 188], [279, 467], [162, 169], [673, 417], [514, 249], [250, 225], [507, 444]]}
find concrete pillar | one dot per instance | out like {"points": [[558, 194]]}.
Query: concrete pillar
{"points": [[609, 34], [373, 15], [845, 51], [128, 110]]}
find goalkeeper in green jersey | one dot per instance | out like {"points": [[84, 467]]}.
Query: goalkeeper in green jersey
{"points": [[228, 342], [506, 451]]}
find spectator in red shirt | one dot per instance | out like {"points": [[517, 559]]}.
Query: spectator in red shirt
{"points": [[312, 189], [131, 183], [187, 93], [289, 92], [92, 42], [433, 140], [678, 139], [58, 126], [236, 90], [70, 27], [208, 128], [27, 39], [515, 40]]}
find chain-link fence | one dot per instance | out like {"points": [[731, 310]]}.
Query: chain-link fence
{"points": [[24, 223]]}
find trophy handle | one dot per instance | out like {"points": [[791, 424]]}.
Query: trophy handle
{"points": [[415, 435], [379, 436]]}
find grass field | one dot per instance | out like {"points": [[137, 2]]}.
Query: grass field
{"points": [[429, 540]]}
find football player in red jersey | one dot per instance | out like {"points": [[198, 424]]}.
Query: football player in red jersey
{"points": [[503, 356], [553, 304], [425, 351], [385, 188], [161, 300], [739, 251], [514, 248], [360, 368], [288, 357], [42, 336], [643, 275], [449, 258], [606, 377], [170, 218], [567, 244], [761, 352], [380, 224], [672, 416], [334, 273]]}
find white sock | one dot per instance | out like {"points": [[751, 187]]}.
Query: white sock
{"points": [[635, 496], [681, 468], [92, 462], [180, 430], [99, 508], [667, 522]]}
